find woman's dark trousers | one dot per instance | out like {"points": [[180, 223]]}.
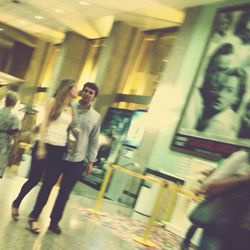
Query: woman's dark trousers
{"points": [[36, 171], [53, 170], [71, 174]]}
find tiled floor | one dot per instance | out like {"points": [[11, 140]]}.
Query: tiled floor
{"points": [[79, 232]]}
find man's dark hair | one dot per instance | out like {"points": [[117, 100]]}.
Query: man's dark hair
{"points": [[93, 86], [223, 50], [238, 72]]}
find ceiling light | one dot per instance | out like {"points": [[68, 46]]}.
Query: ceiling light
{"points": [[83, 3], [39, 17], [22, 21], [1, 29], [59, 11]]}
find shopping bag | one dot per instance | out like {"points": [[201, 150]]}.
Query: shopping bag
{"points": [[221, 213]]}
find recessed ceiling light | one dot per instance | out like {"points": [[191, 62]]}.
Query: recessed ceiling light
{"points": [[22, 21], [59, 11], [83, 3], [39, 17]]}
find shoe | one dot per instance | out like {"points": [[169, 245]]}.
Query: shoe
{"points": [[54, 228], [14, 213], [33, 226]]}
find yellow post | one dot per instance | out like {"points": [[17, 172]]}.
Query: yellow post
{"points": [[171, 202], [144, 239], [102, 190]]}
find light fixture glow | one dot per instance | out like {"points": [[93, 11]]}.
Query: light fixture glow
{"points": [[1, 29], [59, 11], [83, 3], [39, 17], [22, 21]]}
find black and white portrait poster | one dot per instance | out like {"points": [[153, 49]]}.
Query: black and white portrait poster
{"points": [[216, 118]]}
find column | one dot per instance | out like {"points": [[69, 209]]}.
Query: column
{"points": [[112, 65]]}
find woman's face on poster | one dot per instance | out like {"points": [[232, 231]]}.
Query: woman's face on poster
{"points": [[222, 23], [222, 91]]}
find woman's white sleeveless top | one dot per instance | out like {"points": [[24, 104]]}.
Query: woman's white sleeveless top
{"points": [[56, 133]]}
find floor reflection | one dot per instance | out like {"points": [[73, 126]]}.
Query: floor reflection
{"points": [[79, 231]]}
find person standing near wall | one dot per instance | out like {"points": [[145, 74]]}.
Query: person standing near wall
{"points": [[87, 129], [50, 147], [9, 127]]}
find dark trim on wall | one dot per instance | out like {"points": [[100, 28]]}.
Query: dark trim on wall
{"points": [[162, 30], [133, 99]]}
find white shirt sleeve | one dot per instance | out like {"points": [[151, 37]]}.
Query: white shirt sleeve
{"points": [[230, 167]]}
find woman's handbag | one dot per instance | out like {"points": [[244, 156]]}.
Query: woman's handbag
{"points": [[222, 213]]}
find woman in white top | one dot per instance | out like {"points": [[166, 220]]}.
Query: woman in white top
{"points": [[49, 149]]}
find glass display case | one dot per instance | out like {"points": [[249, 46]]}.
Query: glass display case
{"points": [[114, 129]]}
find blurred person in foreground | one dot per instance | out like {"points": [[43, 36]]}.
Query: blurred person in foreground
{"points": [[234, 174]]}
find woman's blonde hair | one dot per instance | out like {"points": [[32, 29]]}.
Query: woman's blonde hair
{"points": [[61, 93]]}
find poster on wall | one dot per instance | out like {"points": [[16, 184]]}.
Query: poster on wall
{"points": [[116, 122], [114, 129], [216, 119], [136, 129]]}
